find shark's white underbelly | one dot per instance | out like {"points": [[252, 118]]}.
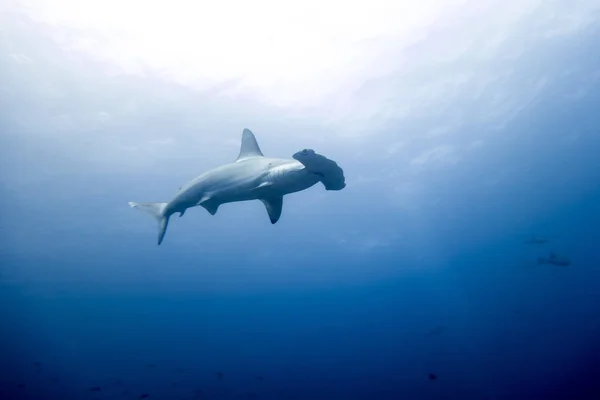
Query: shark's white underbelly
{"points": [[276, 182], [240, 192]]}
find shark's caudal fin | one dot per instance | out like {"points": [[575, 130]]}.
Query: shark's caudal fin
{"points": [[249, 147], [157, 211]]}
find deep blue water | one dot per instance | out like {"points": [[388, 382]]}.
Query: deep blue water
{"points": [[414, 282]]}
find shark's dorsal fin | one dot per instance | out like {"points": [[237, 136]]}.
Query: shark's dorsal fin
{"points": [[249, 147], [274, 206]]}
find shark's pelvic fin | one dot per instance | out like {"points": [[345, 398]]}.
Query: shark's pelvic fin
{"points": [[157, 211], [211, 208], [274, 206], [249, 147]]}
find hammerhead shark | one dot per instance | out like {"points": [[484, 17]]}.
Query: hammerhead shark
{"points": [[555, 259], [252, 176]]}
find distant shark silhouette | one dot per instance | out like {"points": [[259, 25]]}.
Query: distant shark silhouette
{"points": [[535, 240], [555, 259], [251, 177]]}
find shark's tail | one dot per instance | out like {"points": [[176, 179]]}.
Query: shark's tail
{"points": [[157, 210]]}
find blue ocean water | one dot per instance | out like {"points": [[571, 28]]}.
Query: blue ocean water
{"points": [[416, 281]]}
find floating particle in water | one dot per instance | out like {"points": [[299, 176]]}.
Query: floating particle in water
{"points": [[219, 376], [21, 386], [150, 365], [55, 380], [432, 377], [95, 389], [144, 396], [260, 378]]}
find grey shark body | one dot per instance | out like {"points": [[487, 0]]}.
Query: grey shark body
{"points": [[252, 176]]}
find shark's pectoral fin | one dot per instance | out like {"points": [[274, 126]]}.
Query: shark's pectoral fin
{"points": [[273, 205]]}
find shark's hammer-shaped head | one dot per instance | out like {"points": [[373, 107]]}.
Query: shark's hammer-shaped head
{"points": [[331, 175]]}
